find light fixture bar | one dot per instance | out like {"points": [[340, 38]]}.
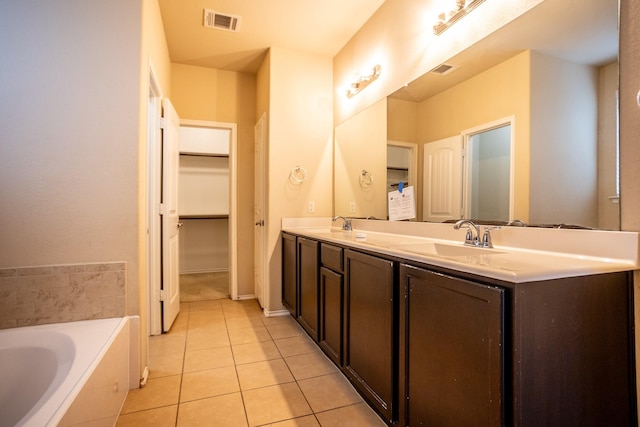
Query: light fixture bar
{"points": [[363, 81], [447, 19]]}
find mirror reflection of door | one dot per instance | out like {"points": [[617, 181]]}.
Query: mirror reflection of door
{"points": [[402, 165], [442, 180], [487, 190]]}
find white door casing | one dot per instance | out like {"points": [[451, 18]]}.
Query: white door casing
{"points": [[468, 163], [442, 179], [170, 294], [154, 196], [259, 208]]}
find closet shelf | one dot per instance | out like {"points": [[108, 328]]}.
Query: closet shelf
{"points": [[204, 216]]}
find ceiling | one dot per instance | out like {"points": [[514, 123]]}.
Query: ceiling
{"points": [[582, 31], [321, 27]]}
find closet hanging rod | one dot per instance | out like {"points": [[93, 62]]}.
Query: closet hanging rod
{"points": [[204, 155], [204, 216]]}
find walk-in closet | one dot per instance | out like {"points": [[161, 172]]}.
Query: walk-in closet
{"points": [[203, 207]]}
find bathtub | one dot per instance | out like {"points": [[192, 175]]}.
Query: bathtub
{"points": [[65, 373]]}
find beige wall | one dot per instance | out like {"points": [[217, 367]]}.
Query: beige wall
{"points": [[406, 47], [361, 144], [499, 92], [402, 120], [154, 57], [208, 94], [300, 129], [608, 212]]}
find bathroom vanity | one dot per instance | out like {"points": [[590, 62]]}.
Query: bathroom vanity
{"points": [[433, 332]]}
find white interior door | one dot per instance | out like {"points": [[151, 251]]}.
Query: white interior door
{"points": [[258, 209], [170, 294], [442, 179]]}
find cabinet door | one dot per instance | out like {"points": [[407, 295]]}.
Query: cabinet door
{"points": [[308, 269], [370, 350], [452, 339], [289, 282], [331, 314]]}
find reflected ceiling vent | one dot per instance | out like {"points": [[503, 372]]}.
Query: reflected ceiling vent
{"points": [[443, 69], [221, 21]]}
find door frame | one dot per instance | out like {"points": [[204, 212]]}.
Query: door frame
{"points": [[467, 134], [233, 196], [154, 168], [259, 207]]}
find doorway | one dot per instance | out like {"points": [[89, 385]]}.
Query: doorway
{"points": [[488, 171], [155, 162], [207, 206]]}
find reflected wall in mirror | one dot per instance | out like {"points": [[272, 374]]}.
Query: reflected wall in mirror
{"points": [[487, 191], [555, 70]]}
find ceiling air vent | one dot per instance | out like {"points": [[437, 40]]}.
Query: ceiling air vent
{"points": [[221, 21], [443, 69]]}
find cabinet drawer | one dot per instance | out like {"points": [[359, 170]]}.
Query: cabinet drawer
{"points": [[331, 257]]}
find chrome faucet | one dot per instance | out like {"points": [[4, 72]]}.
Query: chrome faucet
{"points": [[474, 240], [346, 222], [469, 239]]}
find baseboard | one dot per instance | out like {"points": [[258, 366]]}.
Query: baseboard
{"points": [[145, 377], [275, 313], [245, 297]]}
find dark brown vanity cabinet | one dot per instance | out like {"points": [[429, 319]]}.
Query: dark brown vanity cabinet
{"points": [[573, 352], [371, 330], [308, 289], [332, 302], [451, 343], [429, 346], [289, 273]]}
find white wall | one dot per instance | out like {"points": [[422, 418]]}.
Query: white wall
{"points": [[563, 141], [69, 105], [204, 245]]}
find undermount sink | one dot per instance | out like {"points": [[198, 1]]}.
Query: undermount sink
{"points": [[444, 249]]}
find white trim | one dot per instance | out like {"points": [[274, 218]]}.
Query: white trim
{"points": [[413, 166], [145, 377], [275, 313], [233, 197], [154, 163], [245, 297]]}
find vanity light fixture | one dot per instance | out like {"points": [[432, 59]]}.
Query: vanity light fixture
{"points": [[363, 81], [450, 17]]}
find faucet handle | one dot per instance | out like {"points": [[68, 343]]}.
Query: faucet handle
{"points": [[468, 239], [486, 237]]}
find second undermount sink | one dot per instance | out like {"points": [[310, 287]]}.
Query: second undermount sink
{"points": [[444, 249]]}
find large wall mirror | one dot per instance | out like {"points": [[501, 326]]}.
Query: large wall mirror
{"points": [[554, 71]]}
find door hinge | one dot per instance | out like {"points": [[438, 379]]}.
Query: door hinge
{"points": [[161, 295], [162, 123], [161, 208]]}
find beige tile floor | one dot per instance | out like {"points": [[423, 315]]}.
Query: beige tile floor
{"points": [[225, 364]]}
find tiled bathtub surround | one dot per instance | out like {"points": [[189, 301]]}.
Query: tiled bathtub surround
{"points": [[61, 293]]}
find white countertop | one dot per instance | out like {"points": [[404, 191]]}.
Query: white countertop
{"points": [[520, 254]]}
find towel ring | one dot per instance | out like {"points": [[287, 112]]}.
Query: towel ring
{"points": [[366, 179], [298, 175]]}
